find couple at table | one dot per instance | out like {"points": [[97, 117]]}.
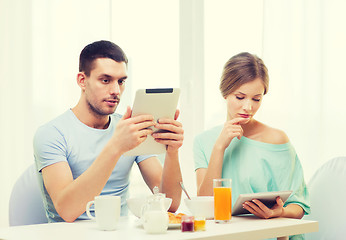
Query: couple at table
{"points": [[80, 154]]}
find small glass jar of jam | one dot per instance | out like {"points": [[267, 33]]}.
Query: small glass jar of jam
{"points": [[187, 223]]}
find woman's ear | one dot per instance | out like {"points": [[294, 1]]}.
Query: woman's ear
{"points": [[81, 80]]}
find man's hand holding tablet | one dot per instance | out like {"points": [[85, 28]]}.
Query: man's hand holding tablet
{"points": [[161, 103]]}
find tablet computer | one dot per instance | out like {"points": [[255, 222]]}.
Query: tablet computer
{"points": [[267, 198], [159, 102]]}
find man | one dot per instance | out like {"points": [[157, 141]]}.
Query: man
{"points": [[79, 154]]}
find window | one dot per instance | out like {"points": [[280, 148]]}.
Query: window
{"points": [[148, 32]]}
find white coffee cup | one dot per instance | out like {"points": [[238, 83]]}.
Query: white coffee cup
{"points": [[107, 211]]}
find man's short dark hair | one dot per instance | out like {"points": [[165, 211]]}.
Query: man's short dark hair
{"points": [[99, 49]]}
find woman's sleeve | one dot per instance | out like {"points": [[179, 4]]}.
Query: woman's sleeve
{"points": [[199, 154], [300, 194]]}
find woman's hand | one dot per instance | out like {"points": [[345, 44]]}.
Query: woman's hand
{"points": [[231, 129], [260, 210]]}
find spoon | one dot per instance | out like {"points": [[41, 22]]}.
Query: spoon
{"points": [[182, 187]]}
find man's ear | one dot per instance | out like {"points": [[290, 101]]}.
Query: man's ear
{"points": [[81, 80]]}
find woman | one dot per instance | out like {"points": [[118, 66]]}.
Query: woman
{"points": [[257, 158]]}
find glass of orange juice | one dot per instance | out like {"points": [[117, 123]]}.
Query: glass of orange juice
{"points": [[222, 200]]}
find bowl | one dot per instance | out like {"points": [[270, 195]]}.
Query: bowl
{"points": [[202, 206], [135, 204]]}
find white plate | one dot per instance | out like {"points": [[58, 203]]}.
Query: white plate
{"points": [[139, 223], [174, 225]]}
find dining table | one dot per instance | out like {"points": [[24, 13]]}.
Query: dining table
{"points": [[240, 227]]}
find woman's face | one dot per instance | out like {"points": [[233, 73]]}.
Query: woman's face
{"points": [[246, 100]]}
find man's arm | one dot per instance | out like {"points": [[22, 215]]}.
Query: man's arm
{"points": [[170, 175], [166, 178], [171, 178], [71, 196]]}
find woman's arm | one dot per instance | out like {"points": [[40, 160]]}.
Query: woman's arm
{"points": [[293, 211], [205, 176], [231, 129], [257, 208]]}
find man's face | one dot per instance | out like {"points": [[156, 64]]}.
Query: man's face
{"points": [[105, 85]]}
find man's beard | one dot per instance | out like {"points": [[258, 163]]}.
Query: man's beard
{"points": [[99, 112]]}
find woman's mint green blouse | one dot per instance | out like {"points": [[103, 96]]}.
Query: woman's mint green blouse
{"points": [[256, 166]]}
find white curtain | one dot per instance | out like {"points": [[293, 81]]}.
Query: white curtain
{"points": [[304, 48], [40, 43], [303, 45], [148, 31], [16, 123]]}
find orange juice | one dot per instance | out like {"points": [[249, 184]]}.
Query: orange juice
{"points": [[222, 203]]}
